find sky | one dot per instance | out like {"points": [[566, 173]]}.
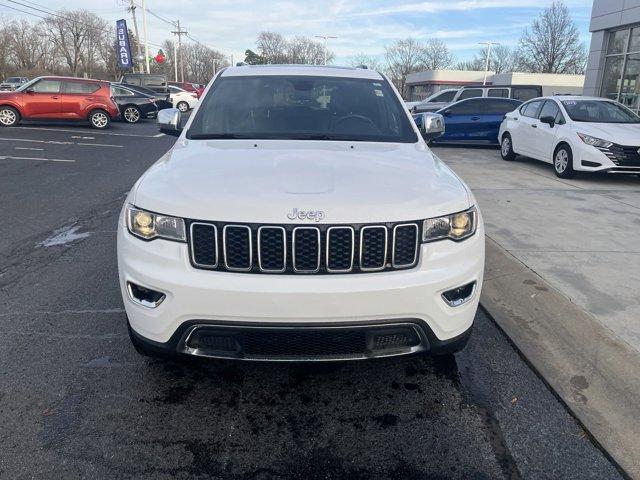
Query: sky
{"points": [[362, 26]]}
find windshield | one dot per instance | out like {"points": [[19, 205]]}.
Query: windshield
{"points": [[27, 85], [302, 108], [599, 111]]}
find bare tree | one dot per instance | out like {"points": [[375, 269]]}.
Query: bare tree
{"points": [[436, 55], [306, 51], [272, 47], [369, 61], [503, 59], [552, 44], [403, 57]]}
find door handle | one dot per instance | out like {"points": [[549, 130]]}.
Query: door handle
{"points": [[475, 118], [55, 97], [534, 126]]}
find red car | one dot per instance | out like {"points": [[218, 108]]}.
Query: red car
{"points": [[189, 87], [60, 98]]}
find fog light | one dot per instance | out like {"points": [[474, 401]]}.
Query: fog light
{"points": [[460, 295], [145, 296]]}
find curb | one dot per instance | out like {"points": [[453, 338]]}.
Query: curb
{"points": [[593, 373]]}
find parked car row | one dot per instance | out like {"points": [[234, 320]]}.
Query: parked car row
{"points": [[573, 133], [95, 101], [12, 83], [448, 97]]}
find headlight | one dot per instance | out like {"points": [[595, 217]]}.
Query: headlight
{"points": [[150, 225], [593, 141], [457, 226]]}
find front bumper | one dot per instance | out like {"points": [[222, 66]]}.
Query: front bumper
{"points": [[614, 160], [200, 297]]}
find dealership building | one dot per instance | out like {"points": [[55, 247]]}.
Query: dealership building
{"points": [[422, 84], [613, 70]]}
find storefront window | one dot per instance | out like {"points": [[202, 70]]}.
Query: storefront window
{"points": [[621, 77], [631, 82], [611, 80]]}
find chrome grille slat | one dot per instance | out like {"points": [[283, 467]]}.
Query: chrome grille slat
{"points": [[399, 234], [303, 249], [365, 257], [271, 252], [331, 258], [298, 248], [234, 248]]}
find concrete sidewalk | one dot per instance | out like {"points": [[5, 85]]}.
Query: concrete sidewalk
{"points": [[563, 276]]}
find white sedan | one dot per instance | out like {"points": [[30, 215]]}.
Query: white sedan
{"points": [[181, 99], [586, 134]]}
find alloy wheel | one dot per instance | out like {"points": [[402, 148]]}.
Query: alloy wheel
{"points": [[99, 120], [506, 146], [131, 115], [183, 106], [7, 117], [561, 160]]}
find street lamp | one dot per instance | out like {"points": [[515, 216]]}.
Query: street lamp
{"points": [[325, 38], [486, 65]]}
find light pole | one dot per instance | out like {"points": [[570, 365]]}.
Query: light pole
{"points": [[146, 39], [325, 38], [486, 65]]}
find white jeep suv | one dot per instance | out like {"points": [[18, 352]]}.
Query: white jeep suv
{"points": [[299, 216]]}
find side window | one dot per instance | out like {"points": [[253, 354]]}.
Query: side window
{"points": [[499, 107], [531, 109], [470, 93], [468, 108], [549, 109], [122, 92], [47, 86], [131, 80], [498, 92], [155, 81], [525, 93], [80, 87]]}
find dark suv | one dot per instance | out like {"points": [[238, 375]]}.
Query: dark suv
{"points": [[157, 83]]}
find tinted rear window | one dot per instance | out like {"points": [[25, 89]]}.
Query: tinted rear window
{"points": [[525, 93], [80, 87], [470, 93]]}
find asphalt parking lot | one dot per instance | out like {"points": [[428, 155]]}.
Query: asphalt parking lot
{"points": [[76, 401]]}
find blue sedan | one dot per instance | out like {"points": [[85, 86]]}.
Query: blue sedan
{"points": [[474, 120]]}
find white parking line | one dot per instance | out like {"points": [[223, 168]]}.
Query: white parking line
{"points": [[28, 148], [55, 142], [99, 145], [10, 157], [95, 133]]}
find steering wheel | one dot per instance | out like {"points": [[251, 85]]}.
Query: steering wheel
{"points": [[361, 118]]}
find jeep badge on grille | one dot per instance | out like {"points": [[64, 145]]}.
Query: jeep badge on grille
{"points": [[313, 215]]}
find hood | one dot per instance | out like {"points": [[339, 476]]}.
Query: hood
{"points": [[621, 133], [263, 181]]}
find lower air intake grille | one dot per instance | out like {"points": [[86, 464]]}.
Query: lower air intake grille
{"points": [[302, 342]]}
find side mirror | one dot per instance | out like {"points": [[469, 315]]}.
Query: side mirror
{"points": [[447, 113], [431, 125], [30, 91], [170, 121], [548, 120]]}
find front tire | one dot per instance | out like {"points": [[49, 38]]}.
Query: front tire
{"points": [[506, 148], [99, 119], [9, 116], [183, 107], [563, 161], [131, 114]]}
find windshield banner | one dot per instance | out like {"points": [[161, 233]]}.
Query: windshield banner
{"points": [[123, 49]]}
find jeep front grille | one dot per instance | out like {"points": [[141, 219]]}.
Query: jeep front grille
{"points": [[298, 249]]}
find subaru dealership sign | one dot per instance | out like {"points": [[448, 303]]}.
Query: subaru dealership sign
{"points": [[122, 45]]}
